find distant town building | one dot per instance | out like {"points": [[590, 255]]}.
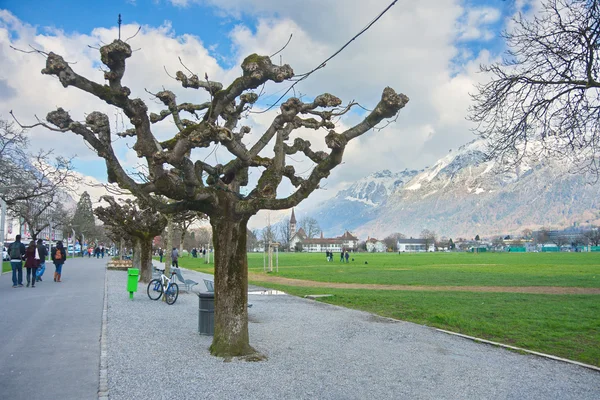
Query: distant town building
{"points": [[375, 246], [15, 226], [415, 245], [301, 242]]}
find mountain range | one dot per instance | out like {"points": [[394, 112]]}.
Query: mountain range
{"points": [[463, 194]]}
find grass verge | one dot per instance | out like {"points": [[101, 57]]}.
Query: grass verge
{"points": [[567, 326], [563, 325]]}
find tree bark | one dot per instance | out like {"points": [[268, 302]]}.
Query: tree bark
{"points": [[137, 253], [231, 287], [169, 245], [146, 260]]}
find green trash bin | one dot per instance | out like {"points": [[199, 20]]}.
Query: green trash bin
{"points": [[206, 314], [133, 275]]}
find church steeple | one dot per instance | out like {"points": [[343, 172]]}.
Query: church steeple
{"points": [[292, 225]]}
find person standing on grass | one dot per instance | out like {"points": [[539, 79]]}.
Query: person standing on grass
{"points": [[31, 263], [175, 258], [58, 256], [43, 253], [342, 255], [160, 254], [16, 252], [347, 255]]}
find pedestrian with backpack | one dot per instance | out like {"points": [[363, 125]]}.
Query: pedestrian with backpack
{"points": [[31, 263], [17, 251], [43, 253], [58, 256]]}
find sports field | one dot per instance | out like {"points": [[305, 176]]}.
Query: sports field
{"points": [[547, 302]]}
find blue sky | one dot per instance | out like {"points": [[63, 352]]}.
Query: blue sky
{"points": [[429, 50]]}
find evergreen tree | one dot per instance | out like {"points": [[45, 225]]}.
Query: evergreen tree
{"points": [[83, 221]]}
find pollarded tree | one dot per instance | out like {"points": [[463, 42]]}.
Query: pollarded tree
{"points": [[141, 224], [215, 189], [543, 98]]}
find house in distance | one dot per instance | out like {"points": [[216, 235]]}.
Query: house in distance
{"points": [[301, 242]]}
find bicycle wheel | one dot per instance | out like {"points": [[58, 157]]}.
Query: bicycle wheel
{"points": [[172, 293], [155, 289]]}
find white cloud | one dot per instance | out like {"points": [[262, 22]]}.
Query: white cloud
{"points": [[412, 49], [473, 25]]}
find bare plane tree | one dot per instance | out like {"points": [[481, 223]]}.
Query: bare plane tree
{"points": [[543, 98], [215, 189], [140, 224]]}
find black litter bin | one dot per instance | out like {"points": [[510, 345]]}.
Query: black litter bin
{"points": [[206, 314]]}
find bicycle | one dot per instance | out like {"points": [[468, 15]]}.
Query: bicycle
{"points": [[163, 285]]}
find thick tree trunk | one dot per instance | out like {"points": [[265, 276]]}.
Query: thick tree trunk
{"points": [[169, 246], [146, 260], [137, 254], [181, 244], [231, 288]]}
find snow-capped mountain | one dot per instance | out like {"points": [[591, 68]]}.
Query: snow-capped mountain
{"points": [[361, 202], [462, 195]]}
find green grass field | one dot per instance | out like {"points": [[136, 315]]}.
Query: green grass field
{"points": [[564, 325]]}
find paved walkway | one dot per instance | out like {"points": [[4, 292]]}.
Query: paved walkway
{"points": [[49, 335], [315, 351], [49, 349]]}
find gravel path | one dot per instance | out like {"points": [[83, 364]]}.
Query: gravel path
{"points": [[315, 351]]}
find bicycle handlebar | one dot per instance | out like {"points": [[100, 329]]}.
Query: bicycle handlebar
{"points": [[162, 271]]}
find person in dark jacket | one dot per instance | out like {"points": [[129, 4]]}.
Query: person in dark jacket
{"points": [[175, 258], [43, 253], [16, 251], [58, 256], [31, 263]]}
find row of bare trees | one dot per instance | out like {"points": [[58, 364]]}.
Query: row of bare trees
{"points": [[545, 91], [32, 184]]}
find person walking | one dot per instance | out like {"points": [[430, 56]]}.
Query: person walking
{"points": [[43, 253], [31, 263], [160, 254], [16, 252], [58, 256], [175, 258]]}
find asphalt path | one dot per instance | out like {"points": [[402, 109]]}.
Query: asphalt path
{"points": [[50, 334]]}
